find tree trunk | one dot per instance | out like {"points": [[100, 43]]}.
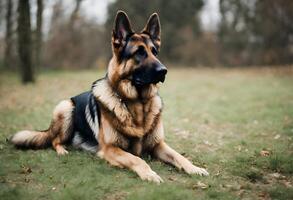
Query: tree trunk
{"points": [[39, 38], [74, 14], [8, 35], [25, 41], [1, 12]]}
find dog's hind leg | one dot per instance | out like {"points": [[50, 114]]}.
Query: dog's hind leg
{"points": [[61, 126], [57, 134], [165, 153]]}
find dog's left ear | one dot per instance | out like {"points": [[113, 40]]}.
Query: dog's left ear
{"points": [[122, 29], [153, 29]]}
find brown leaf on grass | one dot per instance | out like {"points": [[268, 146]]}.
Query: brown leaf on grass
{"points": [[277, 176], [218, 173], [200, 185], [265, 153], [119, 195], [206, 142], [264, 196], [172, 178], [25, 170], [286, 183], [234, 187], [277, 136], [26, 179], [240, 193], [239, 148]]}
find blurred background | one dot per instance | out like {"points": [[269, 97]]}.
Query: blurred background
{"points": [[38, 35]]}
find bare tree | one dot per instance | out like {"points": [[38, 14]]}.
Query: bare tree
{"points": [[39, 35], [1, 11], [25, 41], [8, 34], [74, 14]]}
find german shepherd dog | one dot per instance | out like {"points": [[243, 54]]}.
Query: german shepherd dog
{"points": [[119, 119]]}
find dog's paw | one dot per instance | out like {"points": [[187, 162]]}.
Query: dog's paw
{"points": [[152, 177], [191, 169], [61, 151]]}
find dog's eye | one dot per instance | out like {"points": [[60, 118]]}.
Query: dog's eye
{"points": [[154, 51], [141, 52]]}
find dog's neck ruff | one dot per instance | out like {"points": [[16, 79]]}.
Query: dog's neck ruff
{"points": [[109, 100]]}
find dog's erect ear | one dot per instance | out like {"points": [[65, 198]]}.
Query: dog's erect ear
{"points": [[122, 29], [153, 29]]}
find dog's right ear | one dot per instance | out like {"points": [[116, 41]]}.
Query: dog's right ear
{"points": [[122, 30]]}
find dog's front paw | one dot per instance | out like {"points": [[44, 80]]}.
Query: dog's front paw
{"points": [[151, 176], [61, 151], [191, 169]]}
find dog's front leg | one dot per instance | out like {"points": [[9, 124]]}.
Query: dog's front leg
{"points": [[165, 153], [117, 157]]}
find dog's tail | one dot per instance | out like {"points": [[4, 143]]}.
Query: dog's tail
{"points": [[32, 139]]}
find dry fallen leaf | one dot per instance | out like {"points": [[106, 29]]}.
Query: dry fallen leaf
{"points": [[206, 142], [264, 196], [240, 193], [26, 180], [239, 148], [286, 183], [277, 136], [200, 185], [218, 173], [234, 187], [275, 175], [26, 170], [265, 153]]}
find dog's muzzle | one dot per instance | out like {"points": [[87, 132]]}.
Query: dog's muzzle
{"points": [[146, 75]]}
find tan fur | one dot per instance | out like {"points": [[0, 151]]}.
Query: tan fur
{"points": [[111, 136], [56, 135], [125, 116], [119, 158], [62, 117], [165, 153], [34, 139]]}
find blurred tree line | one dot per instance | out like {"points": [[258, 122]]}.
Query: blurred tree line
{"points": [[250, 32], [256, 32]]}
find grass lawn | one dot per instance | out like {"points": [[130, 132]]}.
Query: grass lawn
{"points": [[237, 123]]}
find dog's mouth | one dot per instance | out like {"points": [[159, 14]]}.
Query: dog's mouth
{"points": [[142, 78], [140, 82]]}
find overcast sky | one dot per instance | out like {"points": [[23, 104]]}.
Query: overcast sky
{"points": [[210, 14], [97, 10]]}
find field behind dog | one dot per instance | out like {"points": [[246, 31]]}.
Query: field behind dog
{"points": [[238, 123]]}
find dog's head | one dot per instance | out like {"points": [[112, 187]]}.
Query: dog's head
{"points": [[135, 65]]}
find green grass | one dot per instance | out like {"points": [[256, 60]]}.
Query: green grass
{"points": [[219, 118]]}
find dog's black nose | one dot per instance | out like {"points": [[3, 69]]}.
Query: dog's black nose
{"points": [[161, 71]]}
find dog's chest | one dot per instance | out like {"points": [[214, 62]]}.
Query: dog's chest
{"points": [[143, 115], [140, 112]]}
